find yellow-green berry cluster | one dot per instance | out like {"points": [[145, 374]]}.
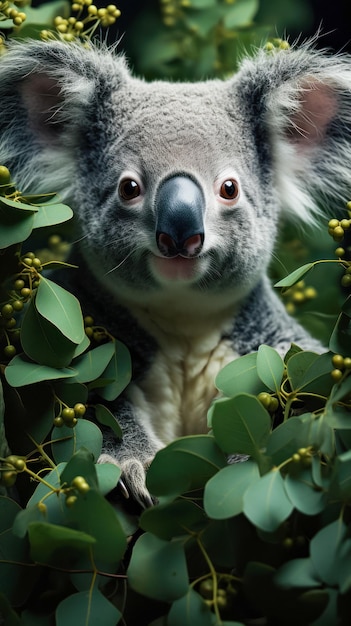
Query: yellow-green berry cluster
{"points": [[68, 416], [82, 25], [298, 294], [276, 44], [340, 364], [9, 11], [96, 333], [9, 468], [271, 403], [336, 228]]}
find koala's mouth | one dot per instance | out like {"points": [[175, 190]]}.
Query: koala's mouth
{"points": [[177, 268]]}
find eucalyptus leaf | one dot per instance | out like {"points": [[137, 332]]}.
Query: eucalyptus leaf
{"points": [[43, 342], [94, 515], [158, 568], [119, 369], [241, 425], [224, 492], [266, 503], [190, 610], [297, 366], [295, 276], [340, 486], [60, 308], [341, 336], [270, 367], [105, 417], [287, 438], [174, 519], [15, 230], [93, 363], [185, 464], [56, 545], [22, 371], [67, 441], [324, 548], [241, 13], [297, 573], [86, 608], [80, 464], [15, 207], [304, 494], [240, 376], [51, 214]]}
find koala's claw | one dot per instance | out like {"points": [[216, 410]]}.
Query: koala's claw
{"points": [[131, 485]]}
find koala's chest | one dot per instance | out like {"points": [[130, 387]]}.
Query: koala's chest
{"points": [[176, 392]]}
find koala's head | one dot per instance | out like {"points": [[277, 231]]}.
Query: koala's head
{"points": [[176, 186]]}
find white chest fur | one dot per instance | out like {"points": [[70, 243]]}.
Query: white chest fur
{"points": [[176, 392]]}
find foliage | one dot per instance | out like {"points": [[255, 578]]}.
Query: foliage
{"points": [[265, 538], [194, 39]]}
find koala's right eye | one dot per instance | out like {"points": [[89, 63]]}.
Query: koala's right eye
{"points": [[129, 189]]}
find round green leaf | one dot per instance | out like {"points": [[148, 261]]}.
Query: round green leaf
{"points": [[266, 503], [173, 519], [240, 376], [66, 441], [81, 464], [60, 308], [119, 370], [51, 214], [184, 465], [224, 492], [87, 608], [297, 573], [303, 493], [22, 371], [93, 514], [105, 417], [324, 548], [297, 365], [287, 438], [53, 544], [191, 610], [15, 230], [158, 568], [270, 367], [94, 362], [241, 425], [108, 476], [43, 342]]}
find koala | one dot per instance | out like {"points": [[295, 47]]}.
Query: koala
{"points": [[178, 190]]}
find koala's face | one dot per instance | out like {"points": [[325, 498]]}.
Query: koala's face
{"points": [[172, 192]]}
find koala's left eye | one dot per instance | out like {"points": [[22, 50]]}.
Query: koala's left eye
{"points": [[229, 189], [129, 189]]}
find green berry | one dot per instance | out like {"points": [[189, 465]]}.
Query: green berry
{"points": [[80, 484], [336, 375], [42, 507], [58, 421], [345, 224], [70, 501], [274, 404], [11, 323], [347, 362], [338, 233], [36, 263], [206, 588], [19, 284], [296, 458], [333, 223], [8, 478], [67, 413], [17, 305], [26, 292], [265, 399], [7, 311], [10, 351], [79, 409], [5, 175], [28, 261], [88, 321], [338, 361], [340, 252], [346, 280], [54, 241]]}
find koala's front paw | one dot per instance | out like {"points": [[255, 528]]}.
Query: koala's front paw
{"points": [[132, 481]]}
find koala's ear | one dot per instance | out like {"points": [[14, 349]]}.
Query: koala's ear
{"points": [[48, 92], [300, 103]]}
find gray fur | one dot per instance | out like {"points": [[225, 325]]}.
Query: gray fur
{"points": [[75, 120]]}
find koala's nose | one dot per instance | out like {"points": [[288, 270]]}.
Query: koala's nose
{"points": [[180, 207]]}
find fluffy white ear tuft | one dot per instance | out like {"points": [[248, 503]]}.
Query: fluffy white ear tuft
{"points": [[302, 103]]}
